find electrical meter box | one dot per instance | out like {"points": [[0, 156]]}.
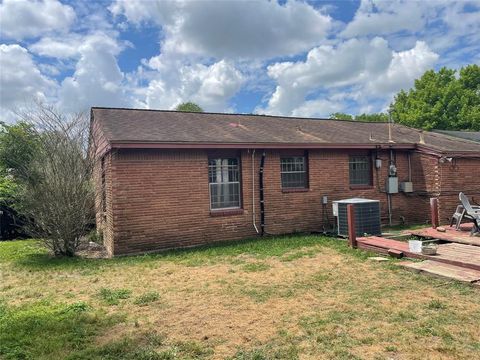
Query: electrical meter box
{"points": [[406, 186], [391, 185]]}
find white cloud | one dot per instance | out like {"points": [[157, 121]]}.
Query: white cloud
{"points": [[405, 67], [97, 80], [325, 67], [387, 17], [26, 19], [69, 46], [231, 29], [451, 28], [318, 108], [211, 86], [21, 81], [364, 69], [63, 47]]}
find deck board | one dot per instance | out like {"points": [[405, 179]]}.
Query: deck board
{"points": [[462, 236], [443, 270], [467, 256]]}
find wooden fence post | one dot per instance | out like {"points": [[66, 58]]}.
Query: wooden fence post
{"points": [[352, 234], [434, 212]]}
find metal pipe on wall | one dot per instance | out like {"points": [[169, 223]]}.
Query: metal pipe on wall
{"points": [[253, 193], [262, 200], [389, 196], [409, 167]]}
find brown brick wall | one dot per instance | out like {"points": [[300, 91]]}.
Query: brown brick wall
{"points": [[456, 176], [159, 199], [104, 219], [329, 175]]}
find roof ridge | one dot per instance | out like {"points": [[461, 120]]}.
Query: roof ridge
{"points": [[241, 114]]}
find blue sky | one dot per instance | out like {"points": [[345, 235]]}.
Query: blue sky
{"points": [[292, 58]]}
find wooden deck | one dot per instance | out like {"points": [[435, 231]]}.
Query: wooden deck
{"points": [[443, 270], [450, 234], [466, 256]]}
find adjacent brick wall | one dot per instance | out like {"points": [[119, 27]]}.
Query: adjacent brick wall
{"points": [[159, 199], [456, 176], [104, 219], [329, 175]]}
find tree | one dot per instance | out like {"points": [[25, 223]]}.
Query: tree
{"points": [[441, 100], [380, 117], [341, 116], [18, 143], [56, 191], [189, 107]]}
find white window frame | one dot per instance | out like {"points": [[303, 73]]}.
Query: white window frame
{"points": [[221, 173], [304, 171]]}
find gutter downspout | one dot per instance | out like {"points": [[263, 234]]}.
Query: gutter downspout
{"points": [[409, 166], [262, 200], [253, 193], [389, 196]]}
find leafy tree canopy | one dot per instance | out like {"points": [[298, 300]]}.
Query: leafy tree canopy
{"points": [[341, 116], [189, 107], [380, 117], [18, 145], [441, 100]]}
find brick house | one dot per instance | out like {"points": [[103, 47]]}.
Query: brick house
{"points": [[167, 179]]}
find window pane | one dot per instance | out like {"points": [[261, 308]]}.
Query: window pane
{"points": [[293, 180], [224, 179], [225, 195], [360, 170], [293, 172]]}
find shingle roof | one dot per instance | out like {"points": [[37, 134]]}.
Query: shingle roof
{"points": [[134, 126], [469, 135]]}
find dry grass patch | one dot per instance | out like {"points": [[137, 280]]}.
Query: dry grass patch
{"points": [[258, 301]]}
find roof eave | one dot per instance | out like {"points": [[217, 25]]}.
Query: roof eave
{"points": [[185, 145], [442, 153]]}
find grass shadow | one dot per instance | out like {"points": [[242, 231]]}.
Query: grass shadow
{"points": [[34, 257]]}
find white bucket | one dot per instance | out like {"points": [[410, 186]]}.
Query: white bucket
{"points": [[415, 246]]}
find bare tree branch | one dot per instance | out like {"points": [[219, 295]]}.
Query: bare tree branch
{"points": [[58, 195]]}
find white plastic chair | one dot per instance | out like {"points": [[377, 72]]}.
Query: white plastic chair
{"points": [[471, 212]]}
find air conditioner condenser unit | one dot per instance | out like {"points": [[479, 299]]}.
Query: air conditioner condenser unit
{"points": [[367, 216]]}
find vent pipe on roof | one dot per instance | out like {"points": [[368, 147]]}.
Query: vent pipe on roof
{"points": [[422, 138], [390, 121]]}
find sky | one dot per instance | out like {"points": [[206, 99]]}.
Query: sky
{"points": [[292, 58]]}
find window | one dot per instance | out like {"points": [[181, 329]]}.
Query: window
{"points": [[360, 170], [224, 182], [293, 171]]}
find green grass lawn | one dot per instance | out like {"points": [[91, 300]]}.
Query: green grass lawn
{"points": [[273, 298]]}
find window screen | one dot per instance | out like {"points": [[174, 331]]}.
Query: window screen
{"points": [[293, 172], [224, 182], [360, 170]]}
